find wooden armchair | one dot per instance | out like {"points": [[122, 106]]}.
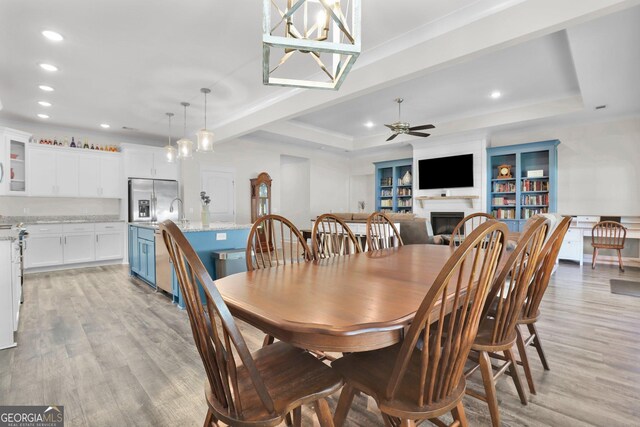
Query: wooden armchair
{"points": [[331, 237], [466, 226], [241, 388], [422, 377], [381, 232], [608, 235]]}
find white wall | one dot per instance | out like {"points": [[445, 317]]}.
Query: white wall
{"points": [[295, 173], [328, 187], [598, 165], [425, 149]]}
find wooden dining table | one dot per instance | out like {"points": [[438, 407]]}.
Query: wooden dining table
{"points": [[344, 304]]}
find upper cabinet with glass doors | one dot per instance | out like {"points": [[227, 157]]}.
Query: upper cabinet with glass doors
{"points": [[13, 164]]}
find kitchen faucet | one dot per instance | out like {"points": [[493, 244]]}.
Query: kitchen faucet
{"points": [[183, 219]]}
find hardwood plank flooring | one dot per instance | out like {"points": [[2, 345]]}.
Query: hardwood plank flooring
{"points": [[116, 353]]}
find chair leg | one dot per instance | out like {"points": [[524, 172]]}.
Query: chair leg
{"points": [[297, 417], [513, 371], [210, 419], [522, 351], [323, 413], [538, 345], [407, 423], [489, 387], [268, 340], [593, 260], [344, 404], [620, 261], [459, 415]]}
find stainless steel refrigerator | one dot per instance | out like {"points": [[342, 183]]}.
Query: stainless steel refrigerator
{"points": [[150, 199]]}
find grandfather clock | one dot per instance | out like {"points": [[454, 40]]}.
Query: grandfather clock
{"points": [[260, 206], [260, 196]]}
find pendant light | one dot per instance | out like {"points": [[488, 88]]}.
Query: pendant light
{"points": [[205, 137], [185, 146], [170, 150]]}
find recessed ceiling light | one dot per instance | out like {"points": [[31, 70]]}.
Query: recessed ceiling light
{"points": [[46, 88], [43, 116], [496, 94], [104, 126], [48, 67], [44, 103], [369, 124], [52, 35]]}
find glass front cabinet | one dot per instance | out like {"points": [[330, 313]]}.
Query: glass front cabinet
{"points": [[523, 181], [13, 162]]}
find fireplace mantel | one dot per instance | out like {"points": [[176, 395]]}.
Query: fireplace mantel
{"points": [[470, 199]]}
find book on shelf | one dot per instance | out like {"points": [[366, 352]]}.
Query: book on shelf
{"points": [[386, 182], [504, 187], [504, 213], [404, 191], [535, 185], [535, 199], [503, 201], [529, 212], [386, 203], [405, 203], [386, 193]]}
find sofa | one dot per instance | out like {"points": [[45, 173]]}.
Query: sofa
{"points": [[413, 230]]}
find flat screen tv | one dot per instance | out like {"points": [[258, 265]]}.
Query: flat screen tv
{"points": [[445, 172]]}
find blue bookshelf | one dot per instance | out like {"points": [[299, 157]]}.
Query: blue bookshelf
{"points": [[514, 200], [391, 195]]}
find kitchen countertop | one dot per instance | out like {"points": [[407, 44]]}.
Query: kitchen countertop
{"points": [[192, 227], [61, 219]]}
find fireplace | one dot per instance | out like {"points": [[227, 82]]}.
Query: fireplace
{"points": [[445, 222]]}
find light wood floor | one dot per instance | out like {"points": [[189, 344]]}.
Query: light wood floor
{"points": [[115, 353]]}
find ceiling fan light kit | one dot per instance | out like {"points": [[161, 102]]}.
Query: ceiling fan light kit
{"points": [[401, 127], [326, 30]]}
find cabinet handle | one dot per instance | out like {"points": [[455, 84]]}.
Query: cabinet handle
{"points": [[65, 240], [60, 240], [97, 235]]}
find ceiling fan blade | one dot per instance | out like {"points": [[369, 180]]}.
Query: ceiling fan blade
{"points": [[424, 135], [423, 127], [392, 136], [389, 126]]}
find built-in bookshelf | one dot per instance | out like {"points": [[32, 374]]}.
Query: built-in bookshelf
{"points": [[394, 186], [532, 187]]}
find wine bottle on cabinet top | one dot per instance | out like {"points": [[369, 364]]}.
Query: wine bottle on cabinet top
{"points": [[73, 143]]}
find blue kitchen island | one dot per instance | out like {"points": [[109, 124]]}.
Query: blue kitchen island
{"points": [[149, 260]]}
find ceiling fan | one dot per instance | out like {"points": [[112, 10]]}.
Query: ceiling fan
{"points": [[401, 127]]}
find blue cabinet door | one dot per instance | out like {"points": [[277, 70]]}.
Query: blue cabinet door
{"points": [[142, 258], [134, 250], [151, 262]]}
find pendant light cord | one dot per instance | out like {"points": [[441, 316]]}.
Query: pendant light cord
{"points": [[205, 110], [184, 130], [169, 131]]}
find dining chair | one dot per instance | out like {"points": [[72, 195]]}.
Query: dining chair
{"points": [[242, 388], [274, 240], [608, 235], [381, 232], [466, 226], [497, 330], [422, 376], [531, 308], [331, 237]]}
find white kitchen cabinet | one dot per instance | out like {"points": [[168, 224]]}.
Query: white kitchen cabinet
{"points": [[42, 171], [148, 162], [6, 296], [44, 250], [66, 175], [13, 167], [52, 173], [100, 176], [52, 245], [79, 247]]}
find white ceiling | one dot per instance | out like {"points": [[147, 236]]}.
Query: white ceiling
{"points": [[126, 63]]}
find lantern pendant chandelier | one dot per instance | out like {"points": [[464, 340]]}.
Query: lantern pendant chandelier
{"points": [[205, 137], [170, 150], [327, 31], [185, 146]]}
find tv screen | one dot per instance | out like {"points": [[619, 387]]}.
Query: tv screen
{"points": [[445, 172]]}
